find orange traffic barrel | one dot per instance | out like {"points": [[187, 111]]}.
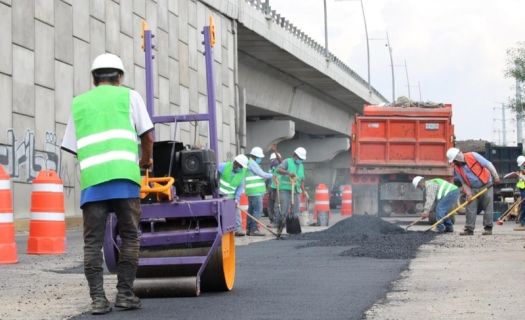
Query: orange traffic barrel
{"points": [[7, 226], [243, 205], [322, 205], [47, 228], [346, 201]]}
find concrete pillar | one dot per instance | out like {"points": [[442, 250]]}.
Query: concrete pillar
{"points": [[322, 149], [264, 133]]}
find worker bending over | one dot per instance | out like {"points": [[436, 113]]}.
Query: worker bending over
{"points": [[440, 196], [231, 184], [521, 187], [290, 172], [102, 131], [475, 173]]}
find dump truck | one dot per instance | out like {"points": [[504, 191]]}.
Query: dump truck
{"points": [[390, 146]]}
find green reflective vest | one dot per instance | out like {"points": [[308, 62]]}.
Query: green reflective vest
{"points": [[284, 181], [444, 187], [106, 138], [255, 185], [229, 180], [520, 184]]}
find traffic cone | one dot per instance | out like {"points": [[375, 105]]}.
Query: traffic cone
{"points": [[47, 228], [322, 205], [346, 202], [243, 205], [7, 226]]}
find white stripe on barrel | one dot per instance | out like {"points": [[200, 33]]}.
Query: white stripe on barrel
{"points": [[5, 185], [6, 217], [47, 216], [47, 187]]}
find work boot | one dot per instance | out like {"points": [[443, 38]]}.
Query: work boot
{"points": [[520, 228], [127, 302], [487, 232], [100, 305], [449, 229], [255, 233], [466, 232], [239, 233]]}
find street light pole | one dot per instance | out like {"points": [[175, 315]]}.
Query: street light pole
{"points": [[325, 32], [367, 47], [408, 82]]}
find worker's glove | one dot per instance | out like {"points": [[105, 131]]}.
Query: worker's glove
{"points": [[292, 175], [424, 215], [146, 163], [497, 180]]}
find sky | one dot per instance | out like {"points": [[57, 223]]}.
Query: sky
{"points": [[455, 51]]}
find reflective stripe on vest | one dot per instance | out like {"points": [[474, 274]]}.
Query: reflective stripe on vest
{"points": [[229, 180], [520, 184], [106, 138], [255, 185], [444, 187]]}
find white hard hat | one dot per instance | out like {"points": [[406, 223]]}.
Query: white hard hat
{"points": [[301, 153], [520, 160], [273, 156], [257, 152], [416, 180], [452, 153], [107, 61], [242, 160]]}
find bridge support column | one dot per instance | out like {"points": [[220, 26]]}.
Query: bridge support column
{"points": [[264, 133]]}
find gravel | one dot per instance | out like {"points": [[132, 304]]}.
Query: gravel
{"points": [[368, 236]]}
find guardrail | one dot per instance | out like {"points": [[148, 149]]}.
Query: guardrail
{"points": [[284, 23]]}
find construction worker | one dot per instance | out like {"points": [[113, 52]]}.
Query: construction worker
{"points": [[440, 196], [231, 184], [102, 132], [475, 173], [290, 171], [275, 161], [255, 189], [521, 187]]}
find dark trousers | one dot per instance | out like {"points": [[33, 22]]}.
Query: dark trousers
{"points": [[95, 215], [522, 208]]}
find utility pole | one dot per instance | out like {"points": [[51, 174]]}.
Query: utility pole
{"points": [[519, 112], [392, 69], [408, 82], [503, 126]]}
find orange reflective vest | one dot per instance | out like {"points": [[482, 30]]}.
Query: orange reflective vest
{"points": [[480, 171]]}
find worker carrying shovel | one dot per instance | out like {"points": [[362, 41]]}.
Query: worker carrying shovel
{"points": [[441, 196], [291, 175]]}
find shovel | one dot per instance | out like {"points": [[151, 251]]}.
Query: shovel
{"points": [[509, 210], [293, 225], [464, 204], [415, 222], [259, 222]]}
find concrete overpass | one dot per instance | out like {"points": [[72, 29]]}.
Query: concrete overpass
{"points": [[274, 83]]}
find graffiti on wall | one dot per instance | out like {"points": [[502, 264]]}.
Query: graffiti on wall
{"points": [[23, 162]]}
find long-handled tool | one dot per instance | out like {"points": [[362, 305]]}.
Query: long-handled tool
{"points": [[464, 204], [293, 226], [415, 222], [509, 210], [280, 220], [259, 222]]}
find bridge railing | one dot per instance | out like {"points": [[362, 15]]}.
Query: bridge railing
{"points": [[284, 23]]}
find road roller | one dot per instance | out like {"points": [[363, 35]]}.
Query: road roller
{"points": [[187, 239]]}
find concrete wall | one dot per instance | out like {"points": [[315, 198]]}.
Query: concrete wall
{"points": [[46, 50]]}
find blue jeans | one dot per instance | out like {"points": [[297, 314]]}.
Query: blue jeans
{"points": [[255, 205], [444, 206], [285, 200], [522, 208]]}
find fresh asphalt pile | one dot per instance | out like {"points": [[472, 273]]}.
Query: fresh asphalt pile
{"points": [[368, 236]]}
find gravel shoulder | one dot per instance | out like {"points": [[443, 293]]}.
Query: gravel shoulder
{"points": [[454, 277]]}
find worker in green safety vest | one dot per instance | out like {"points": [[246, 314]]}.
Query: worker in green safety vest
{"points": [[102, 132], [255, 189], [231, 184], [290, 171], [521, 187], [441, 196]]}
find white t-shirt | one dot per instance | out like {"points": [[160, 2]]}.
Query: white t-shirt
{"points": [[138, 117]]}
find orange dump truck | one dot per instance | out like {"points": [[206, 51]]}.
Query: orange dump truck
{"points": [[390, 146]]}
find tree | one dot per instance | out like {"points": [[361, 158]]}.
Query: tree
{"points": [[516, 70]]}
